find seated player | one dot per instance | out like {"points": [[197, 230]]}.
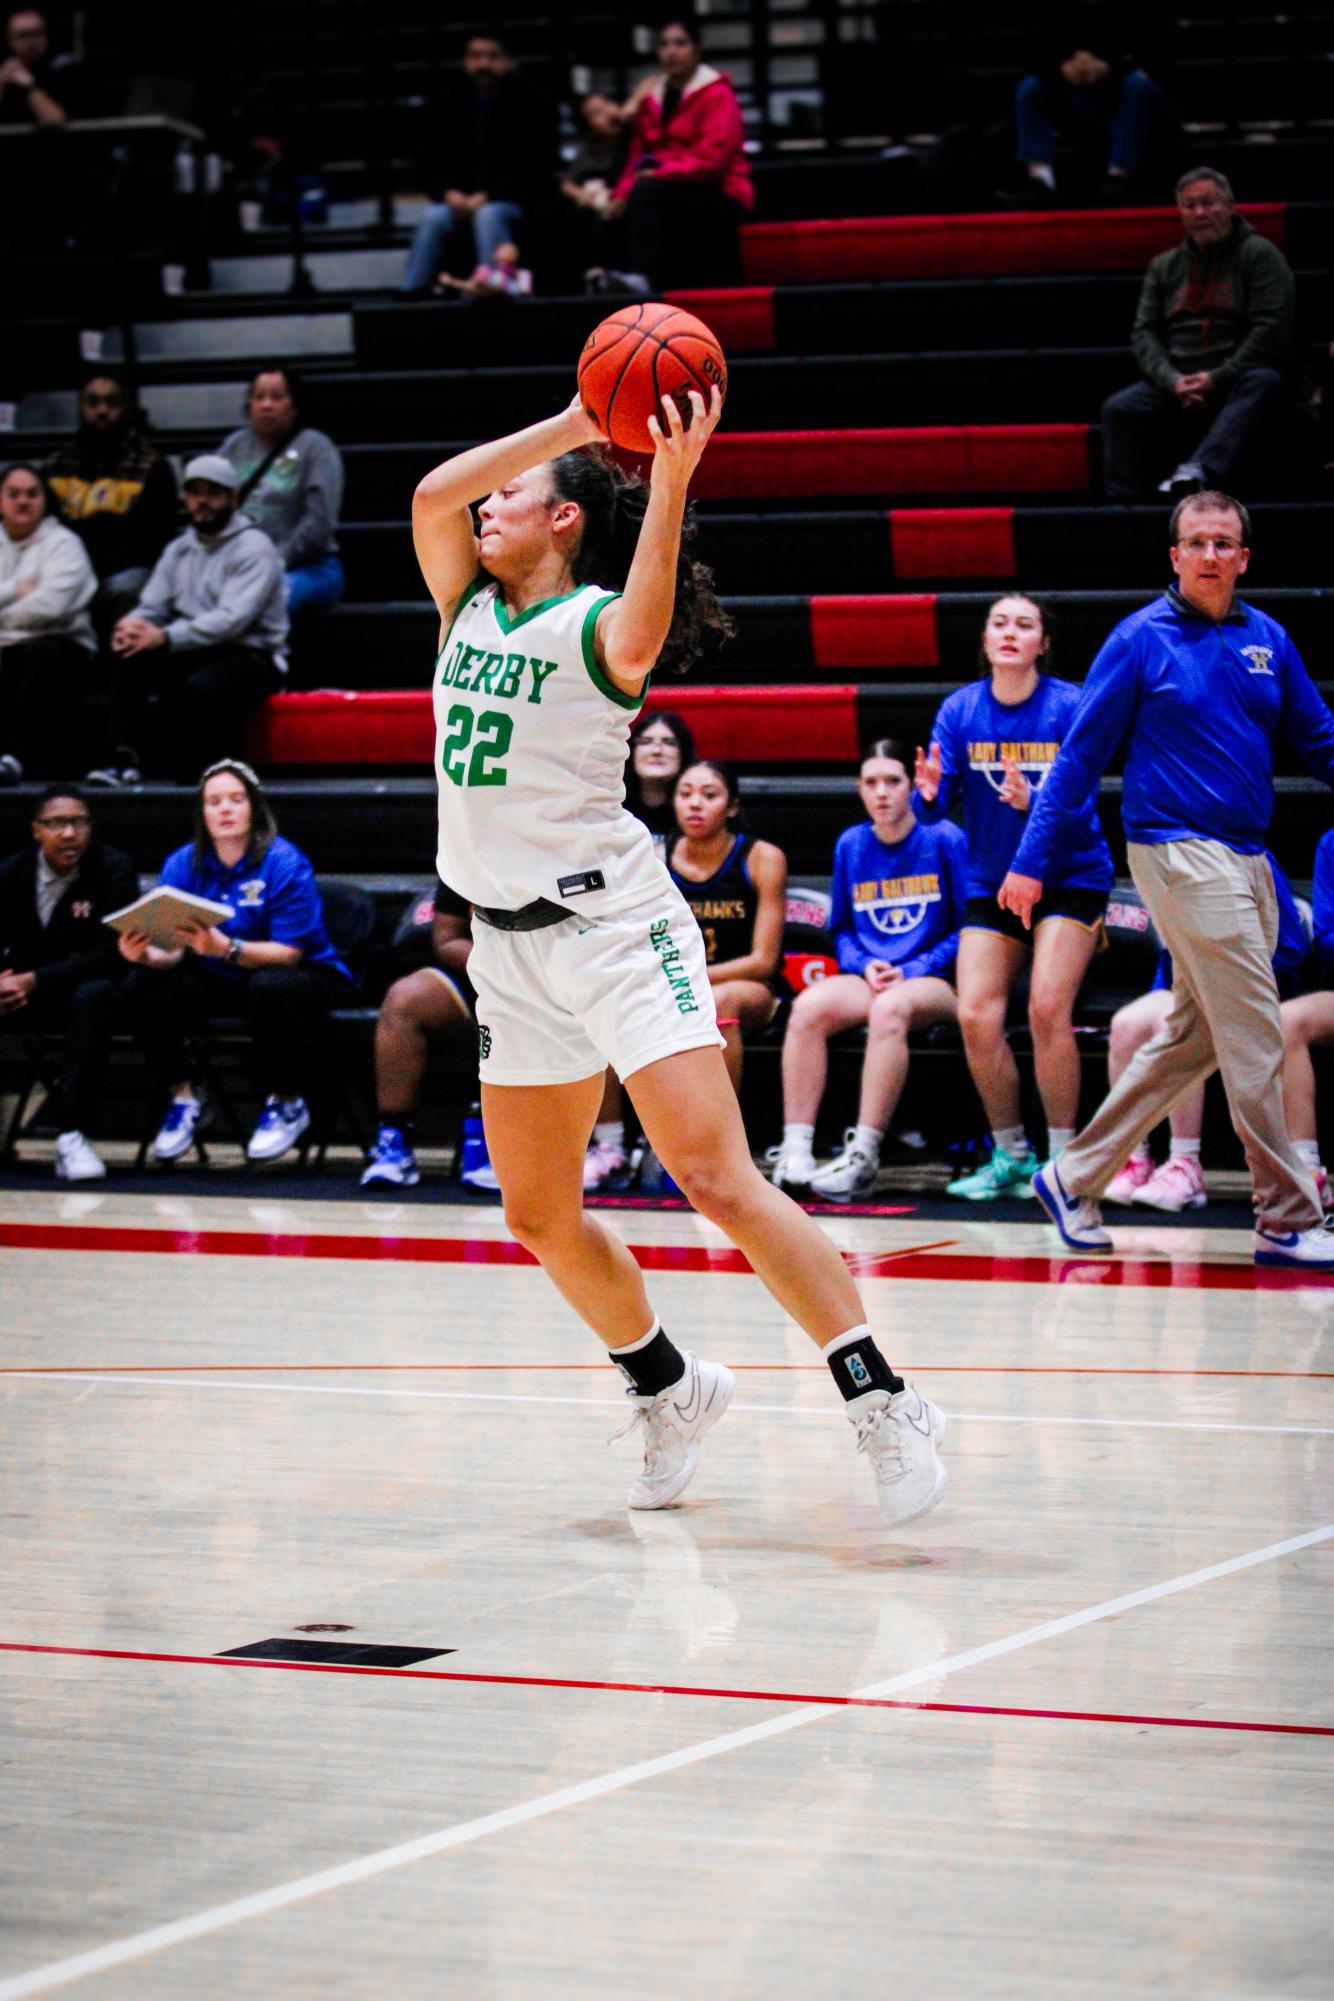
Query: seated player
{"points": [[1308, 1022], [433, 1004], [737, 888], [994, 743], [898, 902], [1179, 1183]]}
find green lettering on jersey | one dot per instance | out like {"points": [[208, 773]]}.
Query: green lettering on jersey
{"points": [[448, 667], [482, 680], [541, 668], [507, 687], [463, 672]]}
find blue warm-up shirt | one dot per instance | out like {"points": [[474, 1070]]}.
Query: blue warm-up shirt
{"points": [[903, 902], [1322, 905], [1293, 947], [1201, 702], [975, 731], [276, 899]]}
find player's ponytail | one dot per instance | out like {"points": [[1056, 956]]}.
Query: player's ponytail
{"points": [[613, 504]]}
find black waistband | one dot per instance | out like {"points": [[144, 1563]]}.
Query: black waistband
{"points": [[534, 916]]}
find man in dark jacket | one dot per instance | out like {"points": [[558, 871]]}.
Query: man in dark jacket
{"points": [[493, 152], [117, 492], [1213, 337], [59, 962]]}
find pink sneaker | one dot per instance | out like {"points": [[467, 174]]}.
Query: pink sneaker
{"points": [[1129, 1181], [603, 1164], [1177, 1185]]}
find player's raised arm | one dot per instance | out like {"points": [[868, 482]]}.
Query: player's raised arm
{"points": [[631, 632], [442, 527]]}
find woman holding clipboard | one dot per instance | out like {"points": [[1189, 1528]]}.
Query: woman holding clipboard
{"points": [[272, 962]]}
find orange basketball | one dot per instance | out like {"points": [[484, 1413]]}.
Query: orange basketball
{"points": [[639, 357]]}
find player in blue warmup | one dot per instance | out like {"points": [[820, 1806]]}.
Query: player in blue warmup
{"points": [[993, 745]]}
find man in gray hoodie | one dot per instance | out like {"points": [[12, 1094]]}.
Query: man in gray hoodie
{"points": [[207, 637], [1213, 338]]}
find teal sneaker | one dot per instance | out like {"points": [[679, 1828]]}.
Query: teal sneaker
{"points": [[1002, 1175]]}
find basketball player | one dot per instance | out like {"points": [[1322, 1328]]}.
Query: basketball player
{"points": [[553, 618]]}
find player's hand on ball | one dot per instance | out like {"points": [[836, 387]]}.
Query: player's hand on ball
{"points": [[578, 413], [926, 775], [676, 450], [1020, 893]]}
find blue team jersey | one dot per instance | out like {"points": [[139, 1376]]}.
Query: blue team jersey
{"points": [[1290, 953], [1322, 906], [903, 902], [276, 900], [1199, 703], [975, 732]]}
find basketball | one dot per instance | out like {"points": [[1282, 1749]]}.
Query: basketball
{"points": [[637, 358]]}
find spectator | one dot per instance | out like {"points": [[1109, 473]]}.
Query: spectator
{"points": [[993, 746], [1088, 89], [737, 888], [661, 747], [31, 92], [494, 139], [505, 277], [61, 969], [116, 491], [1308, 1023], [1198, 686], [1179, 1183], [898, 901], [207, 636], [46, 636], [686, 187], [291, 486], [576, 232], [271, 962], [1213, 337], [433, 1003]]}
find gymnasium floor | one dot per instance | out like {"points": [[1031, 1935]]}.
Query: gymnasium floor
{"points": [[1070, 1735]]}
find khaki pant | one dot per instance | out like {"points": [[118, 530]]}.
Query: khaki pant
{"points": [[1217, 914]]}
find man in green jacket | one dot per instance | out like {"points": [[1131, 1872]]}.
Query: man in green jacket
{"points": [[1213, 338]]}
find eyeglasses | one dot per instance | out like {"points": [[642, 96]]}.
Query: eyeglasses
{"points": [[73, 821]]}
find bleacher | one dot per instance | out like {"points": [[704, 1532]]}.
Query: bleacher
{"points": [[912, 412]]}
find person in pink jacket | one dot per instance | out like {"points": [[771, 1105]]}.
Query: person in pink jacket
{"points": [[686, 188]]}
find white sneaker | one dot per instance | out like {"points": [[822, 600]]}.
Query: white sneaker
{"points": [[280, 1126], [1178, 1184], [604, 1165], [1136, 1174], [673, 1421], [793, 1165], [1078, 1220], [76, 1160], [851, 1173], [901, 1435], [1306, 1250], [176, 1134]]}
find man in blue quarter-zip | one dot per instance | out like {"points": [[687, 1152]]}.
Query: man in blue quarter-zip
{"points": [[1197, 685]]}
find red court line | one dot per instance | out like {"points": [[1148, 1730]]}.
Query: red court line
{"points": [[534, 1368], [929, 1261], [669, 1688]]}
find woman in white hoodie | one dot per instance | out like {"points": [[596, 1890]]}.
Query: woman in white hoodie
{"points": [[46, 636]]}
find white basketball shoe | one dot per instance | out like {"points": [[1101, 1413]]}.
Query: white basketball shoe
{"points": [[901, 1435], [674, 1422]]}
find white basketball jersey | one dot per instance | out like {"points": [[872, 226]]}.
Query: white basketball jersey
{"points": [[530, 748]]}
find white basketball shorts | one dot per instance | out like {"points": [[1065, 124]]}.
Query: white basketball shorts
{"points": [[562, 1003]]}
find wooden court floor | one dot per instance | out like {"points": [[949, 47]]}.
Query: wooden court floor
{"points": [[1072, 1735]]}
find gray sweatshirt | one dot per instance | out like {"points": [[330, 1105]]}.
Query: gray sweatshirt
{"points": [[228, 591], [299, 499], [55, 562]]}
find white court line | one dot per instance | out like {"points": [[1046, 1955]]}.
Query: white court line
{"points": [[141, 1944], [617, 1403]]}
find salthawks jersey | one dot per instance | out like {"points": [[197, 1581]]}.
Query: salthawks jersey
{"points": [[530, 748], [976, 733], [901, 902]]}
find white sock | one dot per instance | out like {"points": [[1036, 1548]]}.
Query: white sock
{"points": [[1012, 1140], [1308, 1152], [1141, 1157], [611, 1133], [633, 1347], [185, 1096], [1039, 170], [845, 1340], [1185, 1149], [867, 1139], [799, 1137], [1058, 1139]]}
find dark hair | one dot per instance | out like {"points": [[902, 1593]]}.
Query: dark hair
{"points": [[685, 746], [724, 772], [679, 17], [50, 505], [1210, 497], [54, 791], [885, 746], [295, 389], [486, 35], [1045, 619], [613, 504], [263, 826]]}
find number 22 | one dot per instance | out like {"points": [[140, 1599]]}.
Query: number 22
{"points": [[485, 767]]}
